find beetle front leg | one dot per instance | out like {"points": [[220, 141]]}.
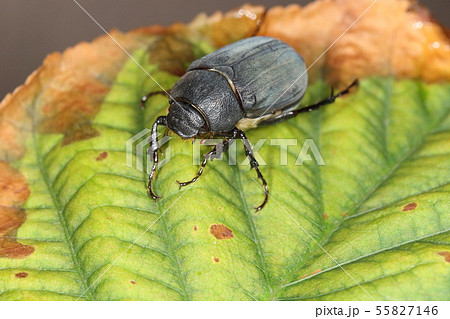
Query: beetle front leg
{"points": [[254, 164], [222, 147], [154, 147]]}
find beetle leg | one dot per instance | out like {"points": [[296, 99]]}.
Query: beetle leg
{"points": [[326, 101], [290, 114], [200, 171], [154, 147], [149, 95], [221, 147], [254, 164]]}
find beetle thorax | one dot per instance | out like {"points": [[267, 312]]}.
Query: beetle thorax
{"points": [[210, 94]]}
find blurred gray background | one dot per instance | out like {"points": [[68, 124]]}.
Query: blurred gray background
{"points": [[31, 29]]}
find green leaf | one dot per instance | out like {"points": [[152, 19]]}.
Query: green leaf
{"points": [[373, 222]]}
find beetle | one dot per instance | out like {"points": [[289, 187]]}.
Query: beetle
{"points": [[252, 82]]}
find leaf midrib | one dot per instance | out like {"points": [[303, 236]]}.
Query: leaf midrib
{"points": [[263, 266], [59, 209], [173, 256], [168, 238]]}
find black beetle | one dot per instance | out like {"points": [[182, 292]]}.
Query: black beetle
{"points": [[252, 82]]}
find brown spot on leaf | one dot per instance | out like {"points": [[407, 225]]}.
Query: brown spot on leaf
{"points": [[195, 228], [446, 255], [102, 156], [13, 194], [343, 214], [10, 220], [408, 207], [216, 259], [14, 189], [78, 133], [133, 282], [313, 273], [325, 216], [14, 250], [22, 274], [220, 231]]}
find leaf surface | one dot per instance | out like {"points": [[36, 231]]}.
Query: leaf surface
{"points": [[372, 223]]}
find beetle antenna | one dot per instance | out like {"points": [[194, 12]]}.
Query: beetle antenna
{"points": [[154, 146]]}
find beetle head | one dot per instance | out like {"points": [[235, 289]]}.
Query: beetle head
{"points": [[184, 119]]}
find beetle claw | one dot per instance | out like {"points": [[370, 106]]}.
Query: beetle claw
{"points": [[182, 184], [150, 190], [153, 195], [266, 191], [266, 198]]}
